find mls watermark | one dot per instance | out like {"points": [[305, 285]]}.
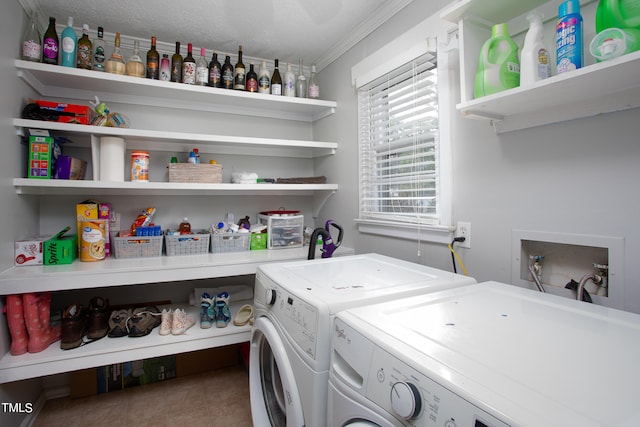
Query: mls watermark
{"points": [[17, 408]]}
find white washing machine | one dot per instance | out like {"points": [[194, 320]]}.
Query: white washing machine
{"points": [[294, 307], [489, 355]]}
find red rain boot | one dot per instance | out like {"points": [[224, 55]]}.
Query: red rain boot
{"points": [[37, 308], [17, 328]]}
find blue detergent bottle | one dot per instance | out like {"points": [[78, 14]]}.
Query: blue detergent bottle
{"points": [[569, 50], [69, 45]]}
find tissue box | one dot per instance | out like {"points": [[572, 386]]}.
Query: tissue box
{"points": [[70, 168], [29, 251], [61, 249]]}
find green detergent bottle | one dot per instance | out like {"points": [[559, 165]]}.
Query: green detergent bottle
{"points": [[498, 65], [618, 14]]}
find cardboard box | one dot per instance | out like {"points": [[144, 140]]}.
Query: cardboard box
{"points": [[139, 372], [41, 157], [29, 251], [90, 209], [67, 113], [70, 168], [61, 249]]}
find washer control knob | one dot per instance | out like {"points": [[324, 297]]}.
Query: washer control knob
{"points": [[406, 400], [270, 296]]}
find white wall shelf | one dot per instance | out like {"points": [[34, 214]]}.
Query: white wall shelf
{"points": [[152, 140], [64, 82], [594, 89]]}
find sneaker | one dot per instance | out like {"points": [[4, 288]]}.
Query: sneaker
{"points": [[98, 318], [143, 320], [222, 313], [118, 323], [206, 311], [181, 322], [166, 321]]}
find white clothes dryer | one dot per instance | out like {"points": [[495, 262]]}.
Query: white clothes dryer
{"points": [[488, 355], [295, 303]]}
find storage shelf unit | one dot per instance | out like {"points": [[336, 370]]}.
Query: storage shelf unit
{"points": [[594, 89]]}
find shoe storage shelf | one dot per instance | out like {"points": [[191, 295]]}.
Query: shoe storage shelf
{"points": [[122, 272], [594, 89]]}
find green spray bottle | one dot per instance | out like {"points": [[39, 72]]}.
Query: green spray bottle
{"points": [[498, 65]]}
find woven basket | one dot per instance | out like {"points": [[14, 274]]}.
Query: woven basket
{"points": [[189, 172]]}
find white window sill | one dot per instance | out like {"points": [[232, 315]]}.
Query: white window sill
{"points": [[423, 233]]}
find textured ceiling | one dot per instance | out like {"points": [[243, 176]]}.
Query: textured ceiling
{"points": [[317, 31]]}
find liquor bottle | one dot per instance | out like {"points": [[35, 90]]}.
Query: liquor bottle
{"points": [[264, 79], [153, 61], [189, 67], [227, 73], [165, 68], [85, 50], [176, 65], [251, 80], [115, 63], [289, 83], [202, 69], [32, 41], [276, 81], [301, 82], [314, 88], [69, 45], [135, 66], [239, 74], [50, 43], [215, 71], [99, 51]]}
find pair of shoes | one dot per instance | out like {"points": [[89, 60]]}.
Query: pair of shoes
{"points": [[244, 315], [175, 322], [75, 324], [206, 311], [222, 313], [134, 323]]}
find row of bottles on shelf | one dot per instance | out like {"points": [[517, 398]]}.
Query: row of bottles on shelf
{"points": [[91, 55]]}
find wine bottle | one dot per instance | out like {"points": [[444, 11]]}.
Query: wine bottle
{"points": [[264, 79], [115, 63], [85, 50], [251, 84], [176, 65], [314, 88], [98, 51], [202, 69], [301, 82], [189, 67], [69, 45], [165, 68], [289, 84], [135, 66], [276, 81], [227, 73], [50, 43], [239, 75], [215, 71], [32, 41], [153, 61]]}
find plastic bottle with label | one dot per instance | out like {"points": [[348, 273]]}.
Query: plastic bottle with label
{"points": [[569, 37], [69, 45], [498, 65], [185, 226], [534, 58]]}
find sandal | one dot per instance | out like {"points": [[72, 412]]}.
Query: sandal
{"points": [[244, 315]]}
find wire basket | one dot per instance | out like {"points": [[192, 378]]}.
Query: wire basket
{"points": [[230, 242], [187, 244], [138, 246]]}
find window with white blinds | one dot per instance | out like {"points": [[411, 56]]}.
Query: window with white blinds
{"points": [[398, 144]]}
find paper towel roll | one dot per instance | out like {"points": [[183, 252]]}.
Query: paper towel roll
{"points": [[112, 151]]}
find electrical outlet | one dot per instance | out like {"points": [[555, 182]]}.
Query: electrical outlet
{"points": [[463, 229]]}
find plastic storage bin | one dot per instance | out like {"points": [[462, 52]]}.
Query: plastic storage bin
{"points": [[284, 230], [138, 246], [230, 242], [187, 244]]}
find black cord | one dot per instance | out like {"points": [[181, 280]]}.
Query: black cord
{"points": [[453, 258]]}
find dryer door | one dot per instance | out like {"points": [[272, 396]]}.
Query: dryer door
{"points": [[275, 400]]}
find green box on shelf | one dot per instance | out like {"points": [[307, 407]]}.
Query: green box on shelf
{"points": [[61, 249], [258, 241], [40, 162]]}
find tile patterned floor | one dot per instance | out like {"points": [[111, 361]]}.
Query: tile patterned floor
{"points": [[216, 398]]}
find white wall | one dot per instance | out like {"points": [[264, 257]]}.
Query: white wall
{"points": [[575, 177]]}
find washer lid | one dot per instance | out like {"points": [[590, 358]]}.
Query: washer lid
{"points": [[537, 358], [343, 281]]}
